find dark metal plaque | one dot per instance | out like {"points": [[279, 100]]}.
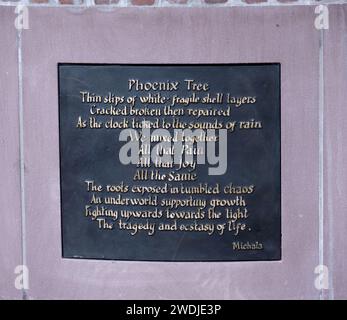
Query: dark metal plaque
{"points": [[170, 211]]}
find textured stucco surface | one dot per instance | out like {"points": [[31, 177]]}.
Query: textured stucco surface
{"points": [[10, 211], [335, 155]]}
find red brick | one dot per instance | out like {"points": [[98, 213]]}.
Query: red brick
{"points": [[142, 2]]}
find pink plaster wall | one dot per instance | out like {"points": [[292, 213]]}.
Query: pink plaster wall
{"points": [[10, 211]]}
